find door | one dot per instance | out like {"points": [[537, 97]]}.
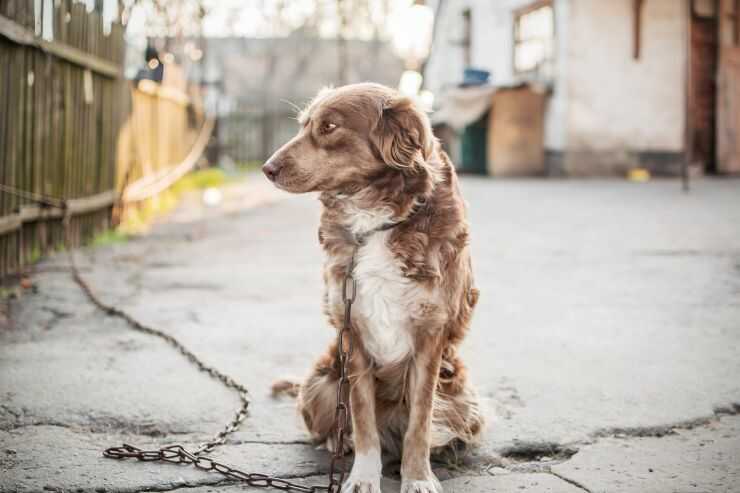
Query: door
{"points": [[703, 87], [728, 103]]}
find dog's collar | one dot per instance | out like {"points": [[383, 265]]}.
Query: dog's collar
{"points": [[419, 203]]}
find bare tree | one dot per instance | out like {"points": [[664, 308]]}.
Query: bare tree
{"points": [[168, 18]]}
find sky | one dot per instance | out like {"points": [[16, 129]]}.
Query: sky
{"points": [[248, 18], [259, 18]]}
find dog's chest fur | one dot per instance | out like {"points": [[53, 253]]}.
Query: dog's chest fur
{"points": [[387, 302]]}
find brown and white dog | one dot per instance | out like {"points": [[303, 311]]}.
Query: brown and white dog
{"points": [[387, 185]]}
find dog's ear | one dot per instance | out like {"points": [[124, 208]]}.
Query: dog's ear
{"points": [[403, 136]]}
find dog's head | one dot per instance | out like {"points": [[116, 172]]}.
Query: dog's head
{"points": [[350, 135]]}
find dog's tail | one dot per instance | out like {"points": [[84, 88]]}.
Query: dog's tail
{"points": [[285, 387]]}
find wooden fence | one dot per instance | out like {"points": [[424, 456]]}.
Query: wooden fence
{"points": [[62, 100], [164, 137]]}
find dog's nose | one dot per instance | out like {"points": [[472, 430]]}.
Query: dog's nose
{"points": [[271, 169]]}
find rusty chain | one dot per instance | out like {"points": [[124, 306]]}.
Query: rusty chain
{"points": [[177, 454], [342, 419]]}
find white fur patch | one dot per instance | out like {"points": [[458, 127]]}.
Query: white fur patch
{"points": [[361, 221], [365, 475], [415, 486], [387, 301]]}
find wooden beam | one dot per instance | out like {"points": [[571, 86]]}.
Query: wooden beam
{"points": [[75, 207], [10, 223], [531, 7], [18, 34], [92, 203], [637, 27], [31, 213], [15, 32]]}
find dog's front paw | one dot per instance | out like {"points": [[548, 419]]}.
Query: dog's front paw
{"points": [[365, 474], [357, 484], [421, 485]]}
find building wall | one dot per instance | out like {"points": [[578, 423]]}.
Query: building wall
{"points": [[621, 109], [444, 66], [492, 45], [607, 111]]}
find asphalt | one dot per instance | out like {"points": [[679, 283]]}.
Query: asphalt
{"points": [[605, 347]]}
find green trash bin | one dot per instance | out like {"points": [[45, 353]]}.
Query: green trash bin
{"points": [[473, 145]]}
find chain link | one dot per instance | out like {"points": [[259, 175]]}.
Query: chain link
{"points": [[342, 418], [177, 454]]}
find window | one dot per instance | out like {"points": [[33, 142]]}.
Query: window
{"points": [[534, 40]]}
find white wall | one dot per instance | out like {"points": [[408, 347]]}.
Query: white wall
{"points": [[444, 67], [492, 44], [616, 102], [603, 100]]}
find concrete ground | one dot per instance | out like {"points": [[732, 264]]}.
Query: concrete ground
{"points": [[606, 345]]}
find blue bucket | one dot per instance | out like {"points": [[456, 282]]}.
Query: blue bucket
{"points": [[475, 77]]}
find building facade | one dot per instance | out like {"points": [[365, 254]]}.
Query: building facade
{"points": [[632, 83]]}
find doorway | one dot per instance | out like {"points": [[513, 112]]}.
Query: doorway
{"points": [[702, 86], [728, 89]]}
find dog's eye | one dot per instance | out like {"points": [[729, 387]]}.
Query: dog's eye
{"points": [[328, 127]]}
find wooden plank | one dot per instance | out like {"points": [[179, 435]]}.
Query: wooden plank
{"points": [[16, 33], [531, 7], [19, 35], [79, 57], [728, 117], [515, 144], [10, 224], [32, 213], [92, 203], [76, 207], [637, 8]]}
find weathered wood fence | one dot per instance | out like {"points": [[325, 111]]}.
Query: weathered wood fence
{"points": [[62, 100], [164, 137]]}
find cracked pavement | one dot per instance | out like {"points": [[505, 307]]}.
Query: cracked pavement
{"points": [[606, 345]]}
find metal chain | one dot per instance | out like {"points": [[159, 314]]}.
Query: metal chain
{"points": [[177, 454], [227, 381], [342, 418]]}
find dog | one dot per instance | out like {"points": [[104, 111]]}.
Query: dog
{"points": [[390, 196]]}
